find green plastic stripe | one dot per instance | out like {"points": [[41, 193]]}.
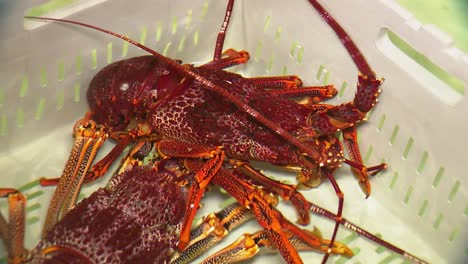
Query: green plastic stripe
{"points": [[174, 25], [270, 63], [189, 19], [438, 177], [292, 50], [181, 45], [408, 147], [267, 24], [326, 78], [28, 186], [49, 6], [388, 259], [300, 55], [33, 207], [452, 81], [381, 122], [166, 48], [159, 29], [204, 10], [196, 37], [33, 195], [394, 134], [438, 221], [454, 191], [347, 240], [454, 234], [408, 194], [24, 86], [32, 220], [143, 35], [394, 180], [40, 108], [423, 208], [319, 72], [423, 162], [43, 78], [279, 30], [285, 70], [125, 49], [342, 89], [109, 53], [369, 151]]}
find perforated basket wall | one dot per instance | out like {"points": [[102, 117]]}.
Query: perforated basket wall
{"points": [[419, 126]]}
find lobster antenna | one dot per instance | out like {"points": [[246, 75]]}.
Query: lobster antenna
{"points": [[362, 232], [229, 96], [346, 40], [222, 32]]}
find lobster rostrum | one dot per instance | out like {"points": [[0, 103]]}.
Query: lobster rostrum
{"points": [[173, 103]]}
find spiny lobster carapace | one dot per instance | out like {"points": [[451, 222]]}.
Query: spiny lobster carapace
{"points": [[186, 107]]}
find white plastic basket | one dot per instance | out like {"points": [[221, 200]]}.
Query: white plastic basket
{"points": [[419, 203]]}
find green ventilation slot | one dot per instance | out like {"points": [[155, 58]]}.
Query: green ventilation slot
{"points": [[394, 134], [423, 208], [342, 89], [49, 6], [381, 122], [267, 24], [394, 180], [422, 162], [61, 71], [445, 86], [438, 177], [454, 191]]}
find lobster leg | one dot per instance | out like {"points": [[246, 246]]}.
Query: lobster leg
{"points": [[12, 233], [285, 191], [268, 217], [350, 139], [250, 244], [89, 137], [203, 177], [97, 170], [213, 229], [286, 86], [317, 93]]}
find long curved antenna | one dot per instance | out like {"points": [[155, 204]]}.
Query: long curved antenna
{"points": [[222, 32]]}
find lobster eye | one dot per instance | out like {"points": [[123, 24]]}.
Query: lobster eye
{"points": [[153, 95], [124, 87]]}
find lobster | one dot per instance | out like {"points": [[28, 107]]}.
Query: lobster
{"points": [[137, 217], [175, 103]]}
